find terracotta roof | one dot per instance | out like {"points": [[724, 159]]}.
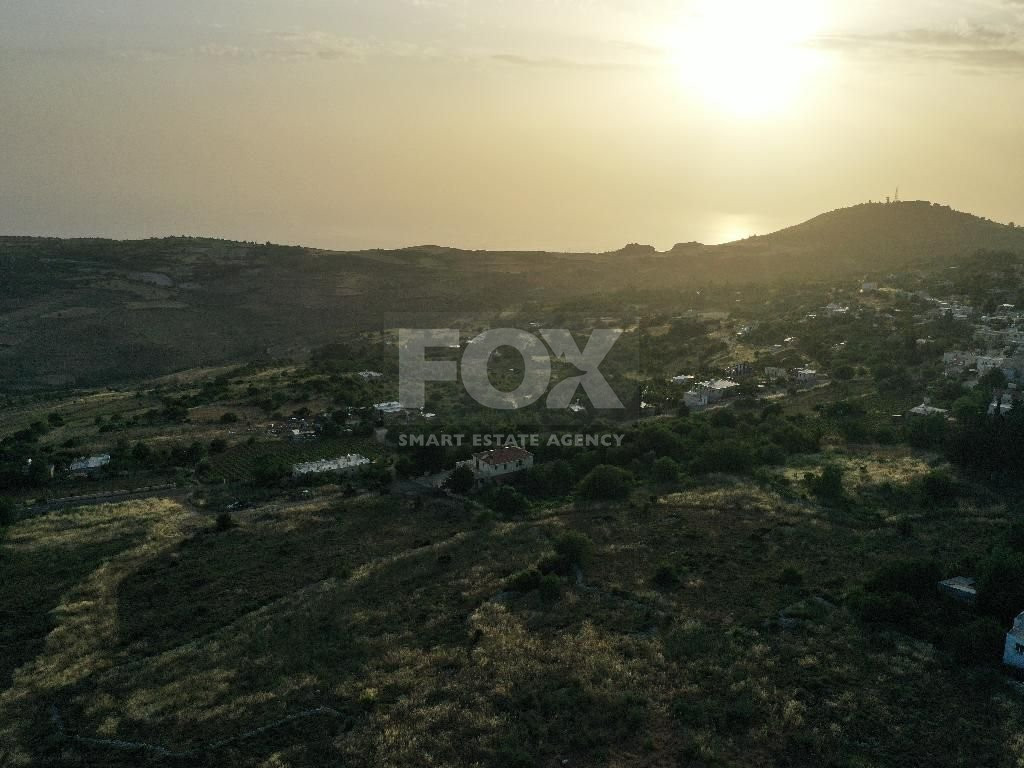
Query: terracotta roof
{"points": [[503, 456]]}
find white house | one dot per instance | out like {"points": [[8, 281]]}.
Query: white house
{"points": [[805, 376], [388, 409], [1013, 654], [696, 399], [776, 374], [499, 463], [719, 388], [684, 379], [90, 464], [926, 409]]}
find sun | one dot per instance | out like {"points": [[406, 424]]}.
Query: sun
{"points": [[749, 58]]}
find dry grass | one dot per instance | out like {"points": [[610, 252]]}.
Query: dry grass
{"points": [[149, 627]]}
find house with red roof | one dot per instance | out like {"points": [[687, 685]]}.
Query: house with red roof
{"points": [[499, 463]]}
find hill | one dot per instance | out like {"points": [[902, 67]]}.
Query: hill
{"points": [[872, 237], [100, 312]]}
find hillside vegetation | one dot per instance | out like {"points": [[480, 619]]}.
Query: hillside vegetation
{"points": [[705, 627], [94, 312]]}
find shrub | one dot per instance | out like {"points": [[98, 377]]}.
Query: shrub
{"points": [[461, 480], [6, 512], [225, 522], [574, 549], [1000, 589], [927, 432], [979, 643], [606, 482], [666, 470], [895, 608], [725, 456], [666, 577], [229, 418], [526, 581], [724, 419], [828, 486], [917, 578], [508, 501], [791, 577], [550, 588], [938, 487]]}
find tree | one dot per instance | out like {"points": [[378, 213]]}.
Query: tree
{"points": [[460, 481], [141, 453], [6, 511], [828, 486], [1000, 589], [666, 470], [916, 578], [606, 482], [844, 373], [509, 502], [574, 549], [979, 643]]}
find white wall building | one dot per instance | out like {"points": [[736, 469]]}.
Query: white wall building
{"points": [[805, 376], [696, 400], [499, 463], [719, 388], [341, 464], [90, 464], [1013, 654], [926, 409]]}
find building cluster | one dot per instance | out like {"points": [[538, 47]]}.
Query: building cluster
{"points": [[341, 464], [297, 429], [708, 393]]}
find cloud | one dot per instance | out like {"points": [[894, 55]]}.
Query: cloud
{"points": [[292, 46], [559, 63], [976, 47]]}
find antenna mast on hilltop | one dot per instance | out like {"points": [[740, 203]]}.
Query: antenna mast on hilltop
{"points": [[897, 198]]}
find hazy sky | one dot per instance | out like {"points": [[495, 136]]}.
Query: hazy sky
{"points": [[568, 124]]}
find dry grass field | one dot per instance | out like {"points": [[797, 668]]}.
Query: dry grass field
{"points": [[376, 632]]}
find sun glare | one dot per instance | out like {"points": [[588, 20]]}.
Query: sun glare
{"points": [[748, 57]]}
